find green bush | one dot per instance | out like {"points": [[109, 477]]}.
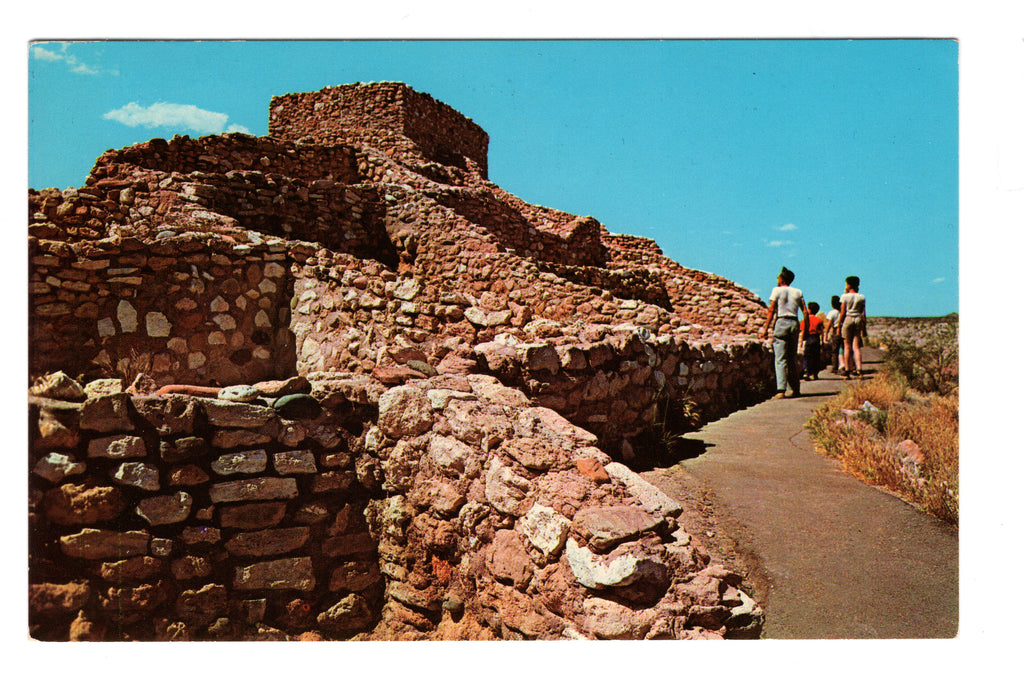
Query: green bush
{"points": [[929, 365]]}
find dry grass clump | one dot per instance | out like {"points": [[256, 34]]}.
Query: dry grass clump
{"points": [[866, 441]]}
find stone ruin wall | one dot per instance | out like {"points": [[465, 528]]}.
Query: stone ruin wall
{"points": [[392, 117], [449, 506], [235, 260]]}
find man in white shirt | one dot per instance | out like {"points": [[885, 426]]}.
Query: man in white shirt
{"points": [[784, 306]]}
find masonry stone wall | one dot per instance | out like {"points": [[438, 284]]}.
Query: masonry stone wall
{"points": [[387, 116], [447, 507], [186, 308]]}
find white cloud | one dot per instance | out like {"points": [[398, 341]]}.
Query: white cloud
{"points": [[787, 227], [46, 55], [186, 116], [938, 280], [76, 66], [779, 243]]}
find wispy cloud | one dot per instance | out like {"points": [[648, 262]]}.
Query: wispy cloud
{"points": [[779, 243], [186, 116], [938, 280], [787, 227], [73, 63]]}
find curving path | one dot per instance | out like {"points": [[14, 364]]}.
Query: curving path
{"points": [[837, 558]]}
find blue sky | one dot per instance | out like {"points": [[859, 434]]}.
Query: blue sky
{"points": [[832, 157]]}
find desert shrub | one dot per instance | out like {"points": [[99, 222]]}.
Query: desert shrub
{"points": [[662, 442], [930, 364], [865, 441]]}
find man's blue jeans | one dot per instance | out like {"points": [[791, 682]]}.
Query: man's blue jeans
{"points": [[785, 339]]}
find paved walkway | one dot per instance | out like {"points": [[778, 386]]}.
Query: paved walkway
{"points": [[842, 559]]}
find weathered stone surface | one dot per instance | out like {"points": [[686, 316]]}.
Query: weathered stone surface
{"points": [[128, 600], [537, 454], [57, 425], [254, 515], [201, 607], [332, 481], [258, 488], [104, 387], [59, 386], [456, 365], [594, 571], [606, 527], [191, 567], [107, 413], [425, 599], [238, 438], [282, 387], [506, 490], [508, 560], [185, 448], [242, 415], [482, 318], [238, 393], [98, 544], [119, 446], [444, 497], [653, 499], [54, 467], [448, 454], [187, 475], [544, 423], [404, 411], [84, 629], [292, 573], [351, 613], [169, 509], [243, 462], [131, 570], [157, 325], [545, 529], [608, 620], [396, 375], [295, 462], [268, 542], [127, 317], [137, 474], [539, 358], [593, 469], [57, 598], [82, 504], [198, 535], [355, 576], [170, 414]]}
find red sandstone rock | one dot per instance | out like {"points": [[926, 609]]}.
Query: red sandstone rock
{"points": [[83, 504], [396, 375], [84, 629], [51, 598], [592, 468]]}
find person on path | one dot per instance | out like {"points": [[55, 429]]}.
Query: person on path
{"points": [[833, 338], [853, 322], [813, 327], [784, 306]]}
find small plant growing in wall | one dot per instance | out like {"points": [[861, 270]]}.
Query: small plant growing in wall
{"points": [[662, 443]]}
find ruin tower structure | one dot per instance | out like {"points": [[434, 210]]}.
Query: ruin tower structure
{"points": [[334, 382], [408, 125]]}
